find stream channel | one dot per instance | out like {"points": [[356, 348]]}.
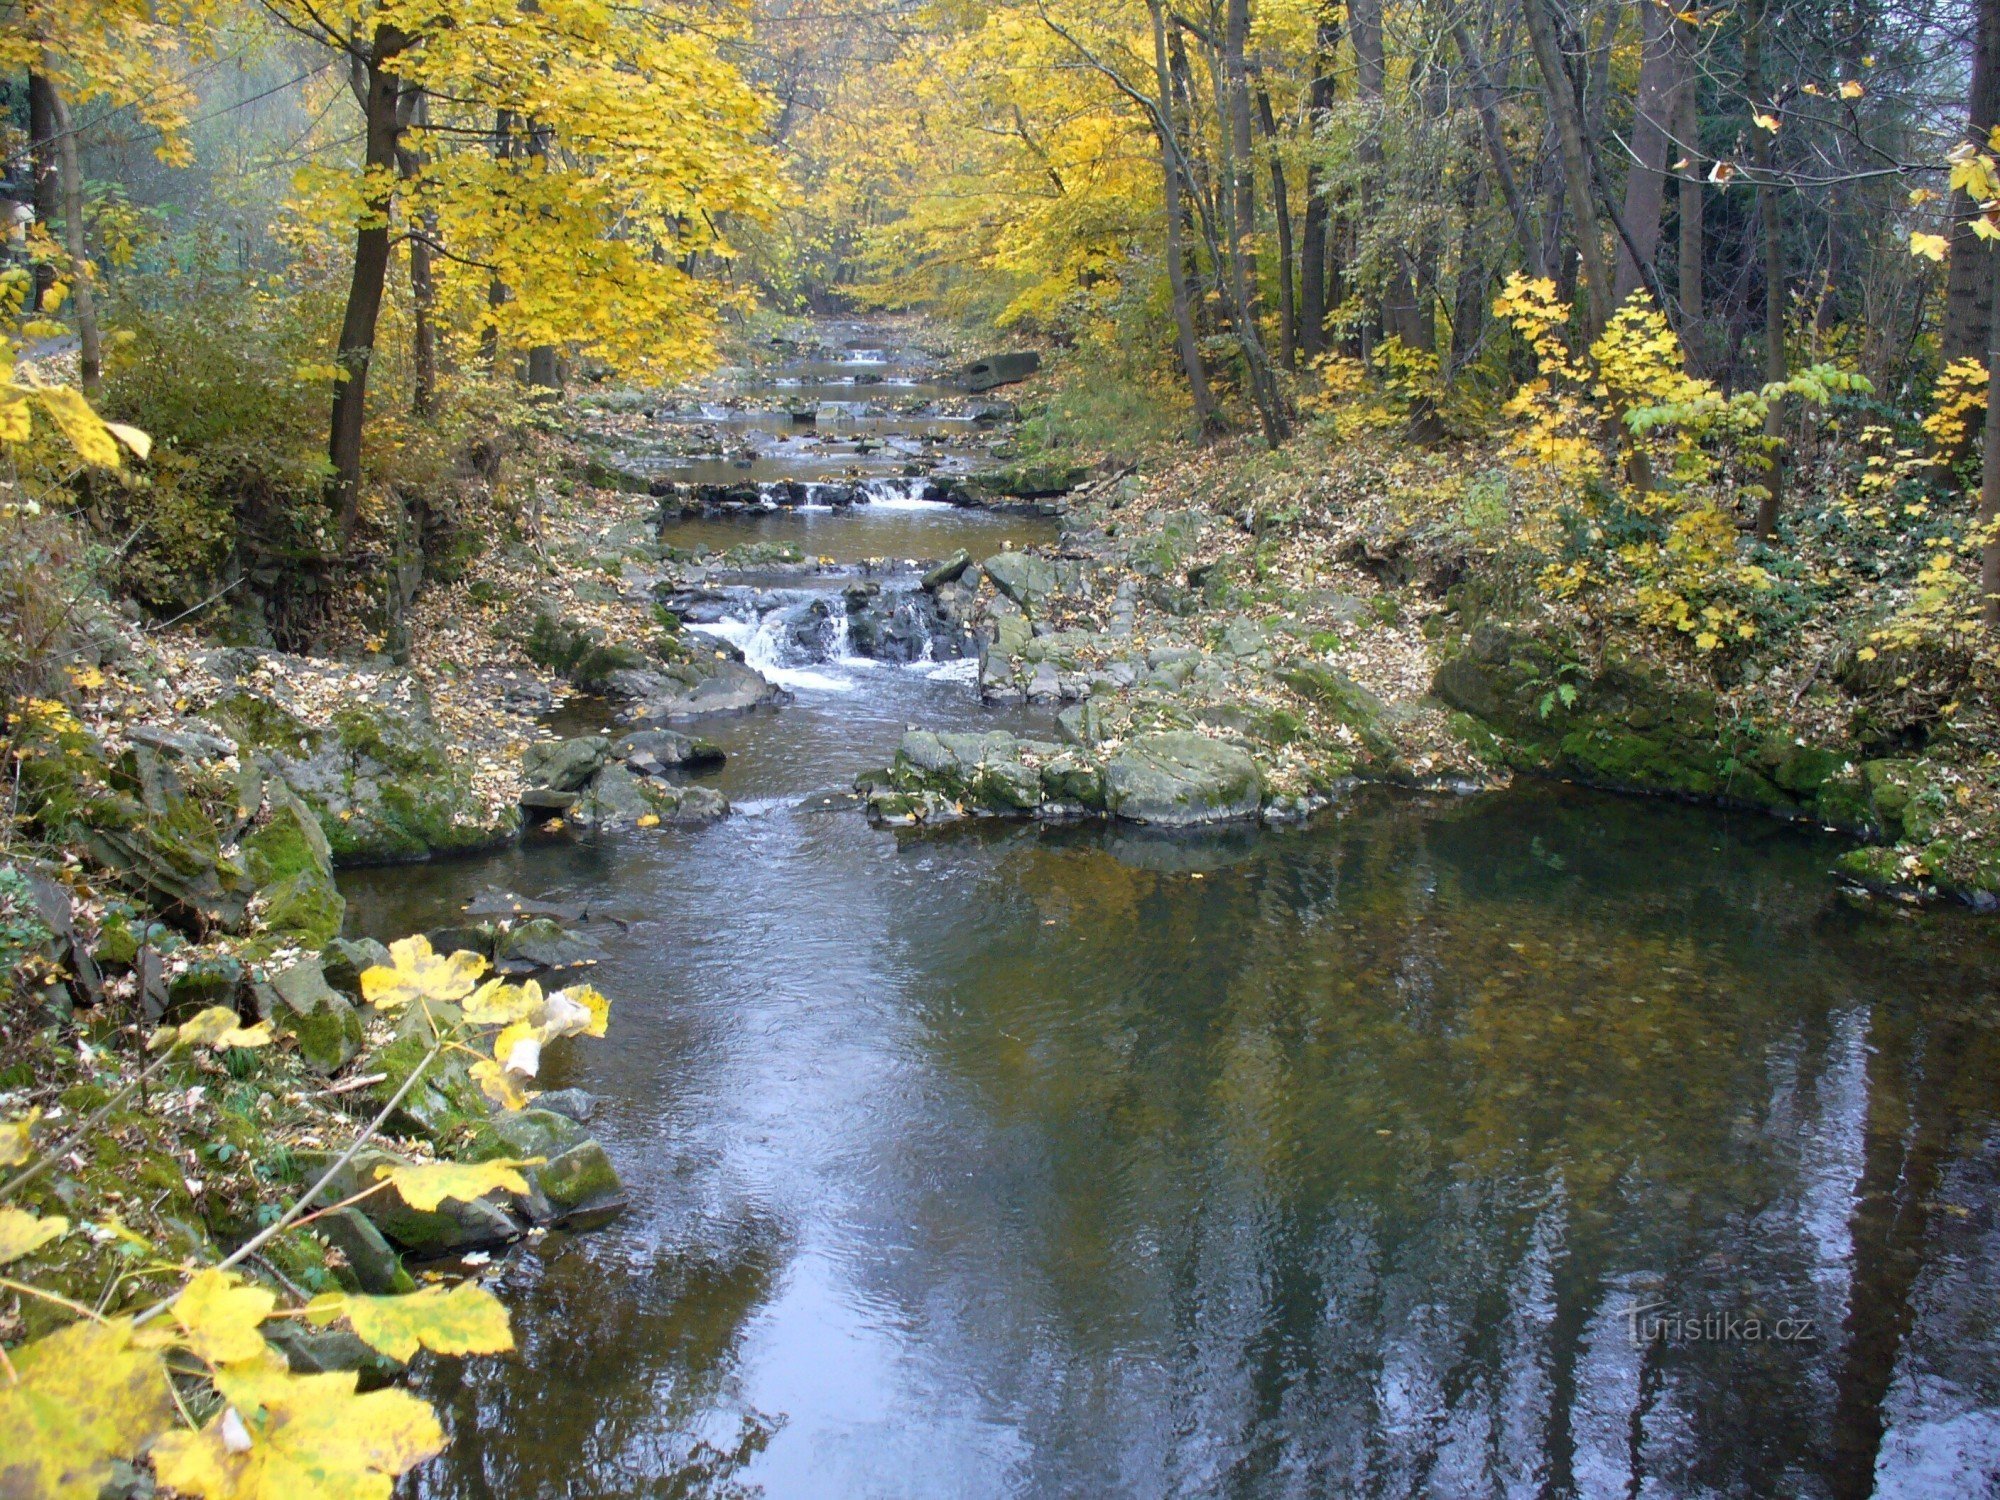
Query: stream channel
{"points": [[1535, 1143]]}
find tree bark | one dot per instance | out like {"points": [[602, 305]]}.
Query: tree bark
{"points": [[1281, 211], [1652, 136], [1170, 197], [1693, 246], [1968, 297], [82, 297], [1560, 90], [1314, 248], [414, 110], [1486, 99], [1989, 477], [48, 171], [377, 89], [1773, 228], [1242, 170]]}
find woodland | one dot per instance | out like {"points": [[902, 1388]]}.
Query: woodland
{"points": [[1635, 359]]}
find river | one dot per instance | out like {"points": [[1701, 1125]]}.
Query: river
{"points": [[1533, 1143]]}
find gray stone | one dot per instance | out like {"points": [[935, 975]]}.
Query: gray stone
{"points": [[542, 943], [1022, 577], [579, 1105], [300, 1003], [375, 1267], [948, 571], [344, 960], [1179, 778], [564, 765], [581, 1185]]}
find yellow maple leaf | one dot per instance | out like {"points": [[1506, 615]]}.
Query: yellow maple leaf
{"points": [[83, 427], [1851, 90], [14, 1134], [466, 1319], [218, 1027], [1929, 246], [22, 1232], [219, 1316], [281, 1436], [497, 1084], [497, 1003], [1767, 123], [424, 1185], [414, 972], [83, 1397]]}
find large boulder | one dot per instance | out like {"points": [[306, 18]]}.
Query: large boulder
{"points": [[292, 864], [322, 1022], [564, 765], [705, 686], [995, 370], [377, 773], [1022, 576], [1179, 778]]}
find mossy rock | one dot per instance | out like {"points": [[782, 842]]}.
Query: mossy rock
{"points": [[452, 1226], [581, 1185]]}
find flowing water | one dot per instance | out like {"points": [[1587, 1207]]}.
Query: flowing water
{"points": [[1535, 1143]]}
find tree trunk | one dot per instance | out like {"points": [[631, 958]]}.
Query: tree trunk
{"points": [[1281, 211], [1560, 90], [1364, 20], [1772, 223], [414, 110], [90, 350], [1170, 197], [1314, 304], [496, 289], [1486, 99], [1652, 136], [544, 373], [378, 90], [48, 171], [1242, 169], [1693, 246], [1968, 297], [1989, 477]]}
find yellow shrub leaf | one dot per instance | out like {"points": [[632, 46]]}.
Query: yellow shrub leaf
{"points": [[467, 1319], [14, 1138], [83, 427], [414, 972], [218, 1026], [85, 1396], [424, 1186], [498, 1003], [497, 1084], [1929, 246], [219, 1317], [140, 443], [280, 1436], [595, 1006], [22, 1232]]}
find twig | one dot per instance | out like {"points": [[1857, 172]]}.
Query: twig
{"points": [[35, 1291]]}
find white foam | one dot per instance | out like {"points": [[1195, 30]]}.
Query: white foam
{"points": [[964, 669]]}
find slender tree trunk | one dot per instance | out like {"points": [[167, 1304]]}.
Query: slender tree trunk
{"points": [[543, 371], [1989, 477], [1486, 99], [414, 111], [1693, 246], [1968, 298], [1170, 197], [1243, 171], [81, 295], [496, 289], [1281, 211], [1652, 127], [1772, 223], [1560, 90], [377, 90], [47, 169], [1313, 247], [1364, 21]]}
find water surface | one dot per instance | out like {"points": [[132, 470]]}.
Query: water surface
{"points": [[1539, 1143]]}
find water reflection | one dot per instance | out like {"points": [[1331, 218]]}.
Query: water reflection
{"points": [[1288, 1164]]}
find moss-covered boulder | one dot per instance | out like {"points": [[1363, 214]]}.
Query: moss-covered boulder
{"points": [[1178, 778], [323, 1024], [452, 1226], [377, 774]]}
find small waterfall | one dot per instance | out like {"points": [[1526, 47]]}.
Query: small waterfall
{"points": [[792, 636]]}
